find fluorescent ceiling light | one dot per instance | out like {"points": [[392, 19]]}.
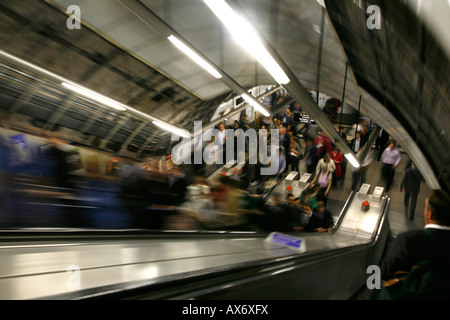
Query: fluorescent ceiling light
{"points": [[322, 3], [255, 104], [170, 128], [247, 37], [353, 161], [95, 96], [191, 54]]}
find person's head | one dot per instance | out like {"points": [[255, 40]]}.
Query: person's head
{"points": [[288, 111], [320, 206], [236, 124], [290, 198], [277, 198], [222, 126], [282, 130], [392, 145], [326, 157], [237, 171], [358, 135], [437, 208]]}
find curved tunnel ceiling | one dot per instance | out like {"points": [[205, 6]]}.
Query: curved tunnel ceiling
{"points": [[119, 55], [405, 68]]}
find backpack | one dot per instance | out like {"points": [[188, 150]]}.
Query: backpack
{"points": [[422, 282]]}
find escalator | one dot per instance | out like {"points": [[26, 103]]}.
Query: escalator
{"points": [[134, 264]]}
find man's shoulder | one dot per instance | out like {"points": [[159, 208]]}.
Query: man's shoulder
{"points": [[411, 234], [418, 237]]}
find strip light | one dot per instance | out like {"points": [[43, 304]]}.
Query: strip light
{"points": [[177, 131], [255, 104], [95, 96], [351, 158], [191, 54], [247, 37]]}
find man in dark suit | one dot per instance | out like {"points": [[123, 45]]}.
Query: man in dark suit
{"points": [[381, 142], [357, 143], [411, 184], [413, 246], [320, 220]]}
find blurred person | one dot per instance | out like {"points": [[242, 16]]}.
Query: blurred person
{"points": [[365, 132], [220, 192], [233, 206], [358, 126], [134, 190], [344, 159], [357, 143], [424, 250], [321, 219], [245, 124], [100, 194], [318, 141], [282, 162], [285, 141], [294, 212], [310, 156], [411, 184], [343, 135], [278, 214], [212, 157], [328, 145], [391, 158], [65, 163], [359, 174], [309, 196], [241, 173], [295, 107], [381, 142], [279, 124], [331, 107], [337, 158], [274, 124], [324, 179], [326, 163], [323, 143], [5, 184], [221, 141], [287, 117], [177, 185], [304, 218], [294, 155]]}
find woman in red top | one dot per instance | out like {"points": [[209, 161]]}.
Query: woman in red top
{"points": [[337, 157]]}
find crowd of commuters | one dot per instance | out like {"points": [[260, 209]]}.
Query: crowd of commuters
{"points": [[151, 195]]}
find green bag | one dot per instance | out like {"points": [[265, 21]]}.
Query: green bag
{"points": [[422, 282]]}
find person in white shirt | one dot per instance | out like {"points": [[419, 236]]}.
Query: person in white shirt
{"points": [[391, 158], [327, 163]]}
